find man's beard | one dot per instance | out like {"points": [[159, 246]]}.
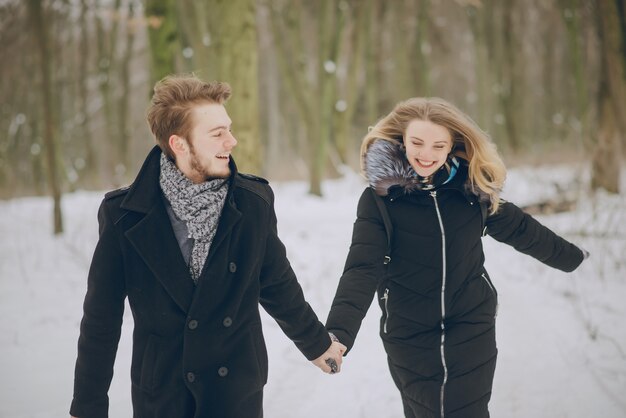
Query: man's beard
{"points": [[197, 166]]}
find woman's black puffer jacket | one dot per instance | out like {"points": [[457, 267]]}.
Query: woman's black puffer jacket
{"points": [[438, 302]]}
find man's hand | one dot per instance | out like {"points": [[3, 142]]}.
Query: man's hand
{"points": [[333, 354]]}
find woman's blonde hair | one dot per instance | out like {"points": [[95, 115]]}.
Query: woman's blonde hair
{"points": [[470, 143]]}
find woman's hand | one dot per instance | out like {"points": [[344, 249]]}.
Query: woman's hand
{"points": [[330, 361]]}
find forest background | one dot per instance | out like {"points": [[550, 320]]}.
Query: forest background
{"points": [[545, 78]]}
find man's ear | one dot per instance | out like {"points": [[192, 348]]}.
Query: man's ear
{"points": [[178, 145]]}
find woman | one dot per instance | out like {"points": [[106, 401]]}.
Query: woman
{"points": [[437, 178]]}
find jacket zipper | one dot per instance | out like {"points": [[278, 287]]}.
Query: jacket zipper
{"points": [[494, 292], [386, 299], [443, 306]]}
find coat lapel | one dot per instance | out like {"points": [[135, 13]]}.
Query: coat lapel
{"points": [[211, 285], [228, 219], [153, 236], [154, 240]]}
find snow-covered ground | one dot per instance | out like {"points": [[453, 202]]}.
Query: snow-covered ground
{"points": [[561, 337]]}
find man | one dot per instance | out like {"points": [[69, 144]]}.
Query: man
{"points": [[193, 245]]}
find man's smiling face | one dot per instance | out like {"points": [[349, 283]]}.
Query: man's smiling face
{"points": [[210, 144]]}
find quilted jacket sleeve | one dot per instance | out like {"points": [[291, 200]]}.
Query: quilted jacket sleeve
{"points": [[513, 226], [363, 271]]}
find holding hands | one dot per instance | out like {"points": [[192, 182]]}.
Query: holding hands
{"points": [[330, 361]]}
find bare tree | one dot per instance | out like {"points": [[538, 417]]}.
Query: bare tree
{"points": [[90, 161], [38, 23], [236, 54], [478, 22], [195, 19], [420, 68], [349, 90], [327, 71], [311, 82], [611, 98], [164, 37], [123, 134], [373, 62], [571, 16], [510, 66], [107, 44]]}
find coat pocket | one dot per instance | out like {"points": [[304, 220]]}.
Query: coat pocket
{"points": [[258, 343], [147, 380]]}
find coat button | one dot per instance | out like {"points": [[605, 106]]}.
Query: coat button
{"points": [[191, 377], [227, 321], [232, 267], [222, 371], [193, 324]]}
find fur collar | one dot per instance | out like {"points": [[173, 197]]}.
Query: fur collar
{"points": [[385, 166], [387, 169]]}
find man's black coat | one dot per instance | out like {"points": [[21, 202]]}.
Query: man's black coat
{"points": [[197, 351]]}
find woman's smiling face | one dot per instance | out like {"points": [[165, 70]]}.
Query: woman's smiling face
{"points": [[427, 146]]}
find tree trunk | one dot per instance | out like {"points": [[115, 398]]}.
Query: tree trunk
{"points": [[509, 81], [330, 26], [237, 54], [195, 34], [107, 44], [124, 135], [607, 152], [294, 78], [164, 38], [38, 23], [478, 24], [314, 99], [373, 52], [344, 118], [90, 167], [572, 23], [421, 69]]}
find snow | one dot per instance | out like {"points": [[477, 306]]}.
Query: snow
{"points": [[561, 337]]}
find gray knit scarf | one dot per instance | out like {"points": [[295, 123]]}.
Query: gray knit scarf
{"points": [[198, 205]]}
